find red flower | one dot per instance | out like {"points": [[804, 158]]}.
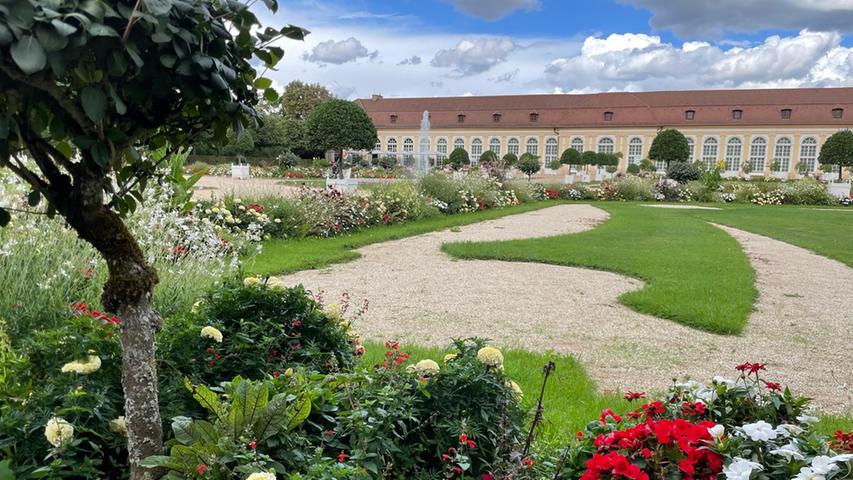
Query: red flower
{"points": [[631, 396], [609, 413], [488, 476], [342, 457], [527, 462], [457, 470], [201, 468], [253, 445], [276, 374], [210, 363], [775, 386]]}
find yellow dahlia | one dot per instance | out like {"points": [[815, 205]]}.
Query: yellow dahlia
{"points": [[516, 390], [261, 476], [90, 365], [58, 431], [119, 425], [449, 357], [251, 281], [211, 332], [491, 357], [427, 367]]}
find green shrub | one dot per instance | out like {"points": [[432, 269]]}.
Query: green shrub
{"points": [[388, 163], [683, 172], [402, 201], [321, 163], [633, 169], [529, 165], [510, 159], [488, 157], [635, 188], [554, 164], [570, 157], [807, 191], [288, 160], [458, 159]]}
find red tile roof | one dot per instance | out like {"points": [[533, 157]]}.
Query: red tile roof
{"points": [[809, 106]]}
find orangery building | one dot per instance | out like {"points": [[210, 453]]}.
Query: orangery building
{"points": [[785, 127]]}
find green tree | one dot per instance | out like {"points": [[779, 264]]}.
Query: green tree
{"points": [[571, 157], [838, 150], [458, 159], [529, 165], [488, 157], [299, 99], [510, 159], [338, 125], [589, 158], [670, 145], [83, 87]]}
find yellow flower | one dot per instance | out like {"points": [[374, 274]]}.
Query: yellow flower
{"points": [[91, 365], [119, 425], [238, 201], [211, 332], [58, 431], [516, 390], [197, 306], [261, 476], [334, 311], [449, 357], [251, 281], [276, 284], [427, 367], [288, 373], [491, 356]]}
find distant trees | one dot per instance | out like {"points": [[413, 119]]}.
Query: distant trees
{"points": [[670, 145], [299, 99], [838, 150]]}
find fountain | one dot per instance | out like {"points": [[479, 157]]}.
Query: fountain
{"points": [[422, 164]]}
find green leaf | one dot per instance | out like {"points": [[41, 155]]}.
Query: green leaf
{"points": [[50, 39], [64, 29], [158, 7], [121, 108], [29, 55], [65, 148], [247, 404], [263, 83], [5, 217], [101, 30], [271, 95], [34, 198], [101, 154], [205, 397], [6, 36], [295, 33], [168, 60], [94, 103], [6, 472]]}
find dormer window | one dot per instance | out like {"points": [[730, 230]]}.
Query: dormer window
{"points": [[737, 114], [534, 117], [837, 113], [608, 116], [393, 118], [496, 117], [786, 114], [460, 118], [690, 114]]}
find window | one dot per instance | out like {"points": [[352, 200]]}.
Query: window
{"points": [[476, 150], [577, 144], [606, 145], [496, 117], [608, 116], [458, 143], [783, 154], [635, 151], [737, 114], [441, 149], [692, 145], [786, 114], [460, 118], [690, 114], [709, 152], [837, 112], [550, 150], [378, 147], [808, 154], [408, 148], [495, 146], [392, 145], [512, 146], [734, 151], [534, 117], [393, 118], [532, 146], [757, 154]]}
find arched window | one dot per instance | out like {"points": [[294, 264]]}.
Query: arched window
{"points": [[408, 149], [512, 146], [808, 154], [550, 150], [532, 146], [458, 143], [495, 146], [577, 144], [783, 154], [392, 145], [378, 147], [734, 152], [635, 151], [476, 150], [441, 149], [606, 145], [758, 154], [692, 145], [710, 149]]}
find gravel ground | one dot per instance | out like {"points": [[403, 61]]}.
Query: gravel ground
{"points": [[802, 326], [217, 187]]}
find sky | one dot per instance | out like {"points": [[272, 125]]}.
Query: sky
{"points": [[415, 48]]}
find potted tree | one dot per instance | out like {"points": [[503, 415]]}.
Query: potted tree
{"points": [[572, 158], [510, 161], [529, 165], [838, 150], [587, 158], [669, 145], [457, 160]]}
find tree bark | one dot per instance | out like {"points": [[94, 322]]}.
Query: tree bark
{"points": [[127, 293]]}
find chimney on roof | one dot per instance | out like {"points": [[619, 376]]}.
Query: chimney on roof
{"points": [[376, 97]]}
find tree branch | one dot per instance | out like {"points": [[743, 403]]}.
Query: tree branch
{"points": [[27, 175]]}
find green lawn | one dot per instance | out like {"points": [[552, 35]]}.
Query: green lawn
{"points": [[287, 256], [826, 232], [695, 273]]}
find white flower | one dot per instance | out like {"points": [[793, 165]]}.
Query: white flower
{"points": [[717, 431], [119, 425], [238, 201], [847, 457], [58, 431], [740, 469], [787, 429], [449, 357], [91, 365], [807, 473], [276, 283], [427, 367], [261, 476], [807, 419], [707, 395], [517, 392], [724, 381], [211, 332], [789, 451], [823, 465], [251, 281], [491, 357], [760, 431]]}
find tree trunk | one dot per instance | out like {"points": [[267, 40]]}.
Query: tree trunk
{"points": [[127, 293]]}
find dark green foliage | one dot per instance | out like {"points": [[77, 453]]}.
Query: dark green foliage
{"points": [[589, 158], [570, 157], [633, 169], [529, 164], [299, 99], [510, 160], [288, 160], [388, 163], [683, 172], [458, 159], [670, 146], [838, 150], [340, 124], [488, 157]]}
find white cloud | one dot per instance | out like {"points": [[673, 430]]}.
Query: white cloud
{"points": [[337, 53], [413, 60], [494, 9], [691, 18], [473, 56]]}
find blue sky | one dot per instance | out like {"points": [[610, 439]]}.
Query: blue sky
{"points": [[479, 47]]}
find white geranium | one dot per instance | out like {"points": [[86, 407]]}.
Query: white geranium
{"points": [[790, 451], [787, 429], [807, 473], [741, 469], [807, 419], [760, 431], [845, 458], [823, 465], [706, 395], [717, 431]]}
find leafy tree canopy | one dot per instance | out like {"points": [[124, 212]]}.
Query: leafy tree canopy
{"points": [[670, 145], [589, 158], [458, 158], [299, 99], [838, 150], [570, 157], [339, 125], [529, 164]]}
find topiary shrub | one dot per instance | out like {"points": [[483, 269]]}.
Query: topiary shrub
{"points": [[633, 169], [388, 163], [554, 164], [570, 157], [529, 164], [683, 172], [510, 160], [488, 157], [458, 159]]}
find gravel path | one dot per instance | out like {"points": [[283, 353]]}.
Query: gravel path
{"points": [[209, 187], [802, 327]]}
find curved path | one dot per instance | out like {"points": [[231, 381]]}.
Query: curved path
{"points": [[801, 328]]}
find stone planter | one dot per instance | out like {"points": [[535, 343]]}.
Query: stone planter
{"points": [[839, 189], [240, 171], [343, 185]]}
